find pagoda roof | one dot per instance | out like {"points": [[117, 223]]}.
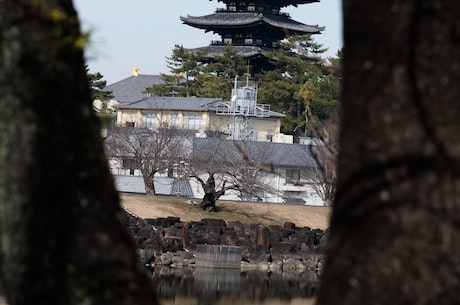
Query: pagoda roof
{"points": [[224, 20], [281, 3]]}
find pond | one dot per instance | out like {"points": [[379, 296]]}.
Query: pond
{"points": [[204, 286]]}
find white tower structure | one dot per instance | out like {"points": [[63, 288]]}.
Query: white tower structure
{"points": [[243, 111]]}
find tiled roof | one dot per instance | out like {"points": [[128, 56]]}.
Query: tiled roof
{"points": [[135, 185], [131, 89], [266, 153], [224, 19], [165, 103], [171, 103], [182, 188], [130, 184]]}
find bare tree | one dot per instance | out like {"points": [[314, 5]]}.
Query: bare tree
{"points": [[324, 150], [149, 150], [220, 165]]}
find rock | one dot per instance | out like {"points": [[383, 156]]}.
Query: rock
{"points": [[146, 256], [293, 265], [170, 231], [262, 236], [172, 244], [283, 247], [162, 222], [289, 226], [237, 226], [214, 222], [275, 248]]}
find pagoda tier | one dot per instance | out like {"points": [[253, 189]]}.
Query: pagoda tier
{"points": [[251, 28]]}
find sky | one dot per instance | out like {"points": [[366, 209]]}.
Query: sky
{"points": [[142, 33]]}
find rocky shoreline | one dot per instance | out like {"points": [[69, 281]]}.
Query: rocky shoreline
{"points": [[170, 242]]}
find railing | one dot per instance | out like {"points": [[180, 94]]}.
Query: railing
{"points": [[246, 10], [238, 43]]}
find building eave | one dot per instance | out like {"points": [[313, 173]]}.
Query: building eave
{"points": [[219, 20]]}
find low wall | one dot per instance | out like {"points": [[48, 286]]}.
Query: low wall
{"points": [[218, 256]]}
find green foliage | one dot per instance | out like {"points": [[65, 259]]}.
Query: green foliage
{"points": [[193, 75], [209, 85], [173, 85], [228, 65], [96, 84], [300, 78]]}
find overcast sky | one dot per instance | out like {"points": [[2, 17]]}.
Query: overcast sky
{"points": [[141, 33]]}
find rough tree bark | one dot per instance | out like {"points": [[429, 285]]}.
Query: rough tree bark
{"points": [[62, 240], [211, 194], [395, 229]]}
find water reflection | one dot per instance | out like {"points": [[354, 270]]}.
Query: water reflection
{"points": [[202, 286]]}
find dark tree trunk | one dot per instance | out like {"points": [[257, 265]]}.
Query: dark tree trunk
{"points": [[395, 228], [62, 238], [208, 203], [149, 184], [211, 194], [209, 199]]}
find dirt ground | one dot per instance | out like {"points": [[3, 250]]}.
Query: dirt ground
{"points": [[277, 214]]}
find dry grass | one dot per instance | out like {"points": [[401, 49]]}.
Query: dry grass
{"points": [[267, 214]]}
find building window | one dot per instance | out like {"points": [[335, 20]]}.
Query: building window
{"points": [[129, 124], [248, 41], [150, 120], [227, 41], [129, 163], [174, 120], [193, 122], [293, 173]]}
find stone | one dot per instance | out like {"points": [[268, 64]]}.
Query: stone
{"points": [[289, 226], [237, 226], [262, 236], [283, 247], [172, 244], [214, 222]]}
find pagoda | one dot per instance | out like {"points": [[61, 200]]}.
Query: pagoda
{"points": [[254, 28]]}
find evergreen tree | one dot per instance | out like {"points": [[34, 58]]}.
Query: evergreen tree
{"points": [[96, 84], [193, 75], [298, 66], [184, 67]]}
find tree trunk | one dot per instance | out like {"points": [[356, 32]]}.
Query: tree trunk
{"points": [[62, 238], [395, 233], [210, 196], [149, 184], [208, 203]]}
